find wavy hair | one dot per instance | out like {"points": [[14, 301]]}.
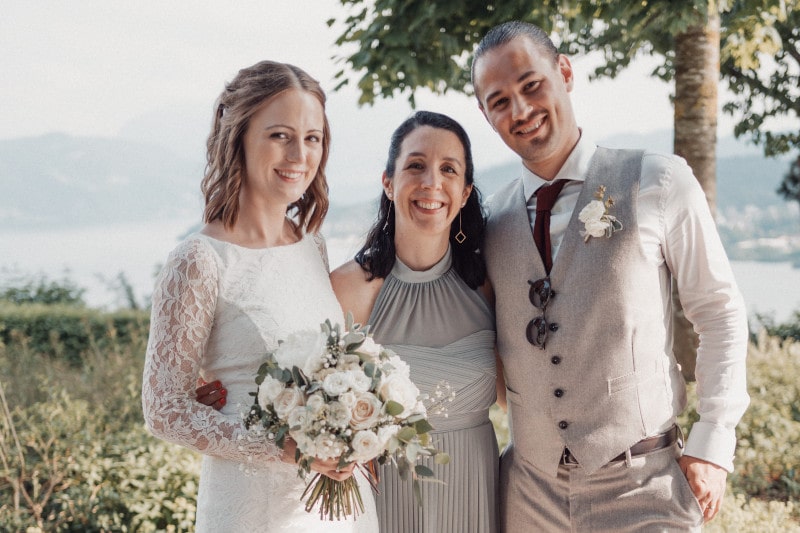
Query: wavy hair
{"points": [[225, 158], [377, 256]]}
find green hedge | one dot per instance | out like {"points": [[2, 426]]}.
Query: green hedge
{"points": [[68, 331]]}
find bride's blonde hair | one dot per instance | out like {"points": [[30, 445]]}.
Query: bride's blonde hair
{"points": [[225, 161]]}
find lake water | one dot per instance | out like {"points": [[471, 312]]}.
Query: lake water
{"points": [[92, 256]]}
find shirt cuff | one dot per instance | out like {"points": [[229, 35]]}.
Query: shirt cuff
{"points": [[713, 443]]}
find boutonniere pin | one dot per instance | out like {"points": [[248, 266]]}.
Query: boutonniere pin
{"points": [[596, 218]]}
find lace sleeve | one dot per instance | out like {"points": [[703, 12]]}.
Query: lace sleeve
{"points": [[319, 240], [184, 301]]}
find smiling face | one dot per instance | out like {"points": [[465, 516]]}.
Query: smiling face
{"points": [[524, 95], [428, 187], [283, 148]]}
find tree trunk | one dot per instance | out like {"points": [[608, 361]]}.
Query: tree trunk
{"points": [[696, 78]]}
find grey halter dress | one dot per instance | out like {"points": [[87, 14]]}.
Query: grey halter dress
{"points": [[445, 331]]}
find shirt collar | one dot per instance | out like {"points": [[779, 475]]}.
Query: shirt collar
{"points": [[574, 168]]}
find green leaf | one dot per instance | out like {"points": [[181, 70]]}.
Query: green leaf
{"points": [[393, 408], [441, 458], [406, 434], [423, 471], [423, 426]]}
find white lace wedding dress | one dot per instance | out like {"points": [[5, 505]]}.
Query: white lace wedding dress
{"points": [[217, 309]]}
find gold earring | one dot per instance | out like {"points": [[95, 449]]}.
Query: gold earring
{"points": [[460, 236]]}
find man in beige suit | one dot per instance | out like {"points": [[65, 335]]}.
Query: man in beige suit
{"points": [[583, 322]]}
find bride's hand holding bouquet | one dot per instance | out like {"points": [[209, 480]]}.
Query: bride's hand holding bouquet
{"points": [[341, 401]]}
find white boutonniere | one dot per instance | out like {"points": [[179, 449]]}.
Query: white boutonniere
{"points": [[597, 220]]}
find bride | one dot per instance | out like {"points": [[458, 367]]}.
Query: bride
{"points": [[256, 272]]}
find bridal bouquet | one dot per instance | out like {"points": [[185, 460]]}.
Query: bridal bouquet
{"points": [[340, 395]]}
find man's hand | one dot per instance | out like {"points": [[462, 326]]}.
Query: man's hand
{"points": [[212, 394], [707, 481]]}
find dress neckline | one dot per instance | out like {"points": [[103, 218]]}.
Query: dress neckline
{"points": [[240, 247], [404, 273]]}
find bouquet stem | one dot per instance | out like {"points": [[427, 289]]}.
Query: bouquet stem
{"points": [[338, 499]]}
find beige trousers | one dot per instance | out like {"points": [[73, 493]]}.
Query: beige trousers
{"points": [[649, 493]]}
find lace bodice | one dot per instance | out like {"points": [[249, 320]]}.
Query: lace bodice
{"points": [[217, 309]]}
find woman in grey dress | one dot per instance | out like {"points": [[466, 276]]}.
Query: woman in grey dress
{"points": [[420, 282]]}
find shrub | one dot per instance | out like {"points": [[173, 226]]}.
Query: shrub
{"points": [[68, 331]]}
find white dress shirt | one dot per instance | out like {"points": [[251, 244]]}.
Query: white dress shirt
{"points": [[678, 236]]}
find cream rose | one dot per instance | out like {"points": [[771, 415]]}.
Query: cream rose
{"points": [[287, 400], [268, 391], [366, 446], [366, 411], [399, 389]]}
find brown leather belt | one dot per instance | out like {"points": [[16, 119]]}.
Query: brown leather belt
{"points": [[650, 444]]}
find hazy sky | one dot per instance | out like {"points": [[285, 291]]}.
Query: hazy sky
{"points": [[151, 70]]}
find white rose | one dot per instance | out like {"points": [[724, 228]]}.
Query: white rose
{"points": [[398, 366], [299, 419], [370, 348], [387, 432], [360, 381], [337, 383], [338, 415], [327, 446], [348, 399], [399, 389], [287, 400], [366, 411], [304, 349], [366, 446], [268, 390], [594, 210], [596, 228]]}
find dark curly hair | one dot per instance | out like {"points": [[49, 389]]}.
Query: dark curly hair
{"points": [[377, 256]]}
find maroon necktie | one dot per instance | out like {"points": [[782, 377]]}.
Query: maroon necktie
{"points": [[545, 199]]}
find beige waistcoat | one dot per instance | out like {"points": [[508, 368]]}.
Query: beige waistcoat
{"points": [[607, 357]]}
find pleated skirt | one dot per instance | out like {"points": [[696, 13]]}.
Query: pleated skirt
{"points": [[461, 500]]}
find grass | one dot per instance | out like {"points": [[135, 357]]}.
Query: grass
{"points": [[74, 455]]}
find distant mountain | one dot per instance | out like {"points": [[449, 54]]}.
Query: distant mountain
{"points": [[744, 175], [57, 180]]}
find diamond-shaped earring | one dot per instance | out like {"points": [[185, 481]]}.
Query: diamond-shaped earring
{"points": [[460, 236]]}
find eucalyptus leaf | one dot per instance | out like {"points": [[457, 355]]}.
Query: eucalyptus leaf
{"points": [[423, 471], [394, 409]]}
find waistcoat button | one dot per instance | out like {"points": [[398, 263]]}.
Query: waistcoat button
{"points": [[555, 359], [553, 327], [563, 424], [558, 393]]}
